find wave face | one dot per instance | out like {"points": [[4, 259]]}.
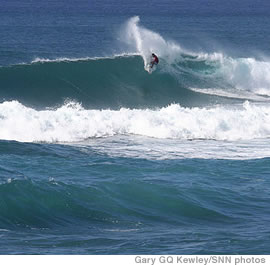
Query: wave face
{"points": [[121, 201], [97, 83], [98, 204], [50, 203], [121, 81], [191, 79]]}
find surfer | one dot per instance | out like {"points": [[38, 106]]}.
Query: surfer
{"points": [[154, 61]]}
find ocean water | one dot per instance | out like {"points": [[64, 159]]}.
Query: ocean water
{"points": [[97, 156]]}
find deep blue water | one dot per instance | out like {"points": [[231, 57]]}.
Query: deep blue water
{"points": [[99, 157]]}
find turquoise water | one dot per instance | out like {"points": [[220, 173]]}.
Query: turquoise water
{"points": [[99, 157], [78, 199]]}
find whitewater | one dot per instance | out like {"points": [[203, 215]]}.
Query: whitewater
{"points": [[72, 123]]}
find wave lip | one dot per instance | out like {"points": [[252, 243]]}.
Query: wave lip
{"points": [[145, 42], [67, 59], [71, 123]]}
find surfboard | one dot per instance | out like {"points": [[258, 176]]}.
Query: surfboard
{"points": [[150, 69]]}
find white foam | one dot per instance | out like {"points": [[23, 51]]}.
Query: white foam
{"points": [[60, 59], [247, 74], [146, 42], [216, 56], [232, 93], [67, 59], [160, 149], [244, 74], [71, 123]]}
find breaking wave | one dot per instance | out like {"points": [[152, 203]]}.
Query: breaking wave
{"points": [[72, 99], [71, 122], [184, 77]]}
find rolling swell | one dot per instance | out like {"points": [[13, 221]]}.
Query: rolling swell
{"points": [[48, 204], [97, 83]]}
